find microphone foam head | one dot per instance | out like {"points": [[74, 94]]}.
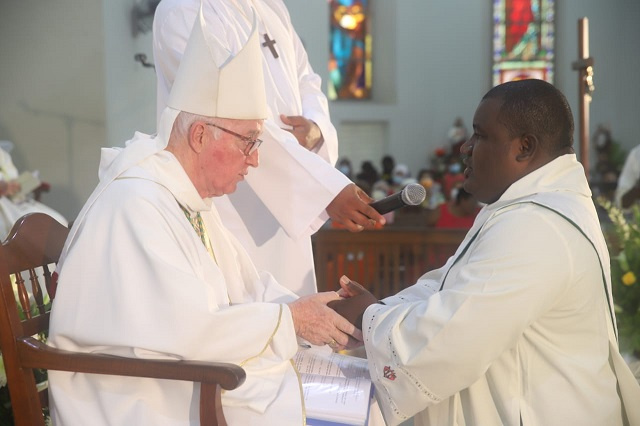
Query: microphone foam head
{"points": [[413, 194]]}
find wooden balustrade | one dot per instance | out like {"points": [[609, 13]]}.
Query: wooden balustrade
{"points": [[385, 261]]}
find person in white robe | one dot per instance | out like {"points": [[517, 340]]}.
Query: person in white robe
{"points": [[149, 271], [13, 208], [297, 188], [517, 328], [628, 187]]}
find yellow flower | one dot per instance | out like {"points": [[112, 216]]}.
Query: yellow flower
{"points": [[629, 278]]}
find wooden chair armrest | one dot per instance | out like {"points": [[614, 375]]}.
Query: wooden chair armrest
{"points": [[36, 354]]}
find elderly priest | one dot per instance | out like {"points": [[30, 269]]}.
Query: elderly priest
{"points": [[149, 270]]}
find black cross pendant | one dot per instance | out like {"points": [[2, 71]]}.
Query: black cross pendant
{"points": [[270, 44]]}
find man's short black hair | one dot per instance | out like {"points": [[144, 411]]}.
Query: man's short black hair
{"points": [[538, 108]]}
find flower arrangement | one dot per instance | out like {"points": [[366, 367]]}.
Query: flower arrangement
{"points": [[623, 239]]}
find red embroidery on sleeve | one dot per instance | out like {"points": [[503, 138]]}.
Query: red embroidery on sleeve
{"points": [[389, 373]]}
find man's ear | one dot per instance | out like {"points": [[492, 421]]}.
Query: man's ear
{"points": [[527, 147], [196, 136]]}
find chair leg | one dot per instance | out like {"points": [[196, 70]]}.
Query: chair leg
{"points": [[211, 413]]}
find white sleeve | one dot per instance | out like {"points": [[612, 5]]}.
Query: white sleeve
{"points": [[315, 105], [295, 184], [306, 181]]}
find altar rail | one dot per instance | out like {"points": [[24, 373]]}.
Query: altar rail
{"points": [[385, 261]]}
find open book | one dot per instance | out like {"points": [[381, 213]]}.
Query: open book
{"points": [[337, 388]]}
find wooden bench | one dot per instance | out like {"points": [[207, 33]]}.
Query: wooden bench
{"points": [[385, 261]]}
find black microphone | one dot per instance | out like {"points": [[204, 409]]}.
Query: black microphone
{"points": [[411, 195]]}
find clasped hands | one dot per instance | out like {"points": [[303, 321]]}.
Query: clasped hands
{"points": [[332, 318], [354, 300]]}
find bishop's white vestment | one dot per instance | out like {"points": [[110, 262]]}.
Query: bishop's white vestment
{"points": [[137, 281], [516, 327], [283, 202]]}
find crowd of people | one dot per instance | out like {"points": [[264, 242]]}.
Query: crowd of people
{"points": [[446, 204]]}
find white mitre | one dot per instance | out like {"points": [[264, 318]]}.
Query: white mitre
{"points": [[212, 82]]}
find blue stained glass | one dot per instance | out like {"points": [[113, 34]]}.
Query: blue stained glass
{"points": [[350, 50]]}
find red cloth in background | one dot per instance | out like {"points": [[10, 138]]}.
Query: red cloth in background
{"points": [[448, 220]]}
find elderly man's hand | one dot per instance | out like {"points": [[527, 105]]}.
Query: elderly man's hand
{"points": [[306, 131], [315, 322], [9, 188], [356, 299], [351, 208]]}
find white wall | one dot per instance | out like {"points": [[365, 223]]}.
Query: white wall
{"points": [[52, 93], [615, 45], [130, 87]]}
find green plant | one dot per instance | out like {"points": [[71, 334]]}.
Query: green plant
{"points": [[623, 239]]}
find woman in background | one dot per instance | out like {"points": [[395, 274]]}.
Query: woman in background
{"points": [[459, 212]]}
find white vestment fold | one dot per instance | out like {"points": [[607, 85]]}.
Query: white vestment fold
{"points": [[136, 281], [519, 332], [282, 203]]}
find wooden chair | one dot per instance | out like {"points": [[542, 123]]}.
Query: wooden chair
{"points": [[33, 245]]}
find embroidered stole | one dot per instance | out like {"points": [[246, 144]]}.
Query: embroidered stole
{"points": [[198, 225]]}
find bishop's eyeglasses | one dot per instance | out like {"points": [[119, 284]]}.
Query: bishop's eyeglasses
{"points": [[252, 144]]}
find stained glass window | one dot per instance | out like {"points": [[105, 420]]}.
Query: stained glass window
{"points": [[523, 40], [349, 50]]}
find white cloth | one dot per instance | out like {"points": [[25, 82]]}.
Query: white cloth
{"points": [[282, 202], [136, 281], [12, 210], [630, 175], [520, 332]]}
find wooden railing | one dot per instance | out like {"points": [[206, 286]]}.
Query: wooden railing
{"points": [[385, 261]]}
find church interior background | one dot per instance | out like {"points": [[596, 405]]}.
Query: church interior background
{"points": [[69, 83]]}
